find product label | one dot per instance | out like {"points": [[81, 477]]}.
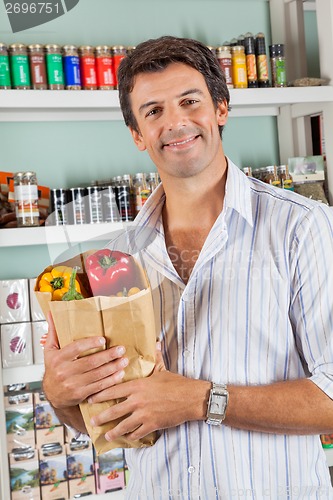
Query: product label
{"points": [[116, 61], [105, 76], [26, 201], [262, 67], [88, 71], [20, 70], [55, 73], [225, 63], [251, 67], [4, 71], [280, 73], [72, 70], [37, 66]]}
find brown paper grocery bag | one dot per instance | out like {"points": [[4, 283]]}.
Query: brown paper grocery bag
{"points": [[127, 321]]}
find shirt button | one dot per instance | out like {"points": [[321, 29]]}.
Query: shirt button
{"points": [[187, 353], [191, 469]]}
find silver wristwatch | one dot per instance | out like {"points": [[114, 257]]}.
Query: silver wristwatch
{"points": [[217, 404]]}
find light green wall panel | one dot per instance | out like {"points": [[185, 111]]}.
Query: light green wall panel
{"points": [[311, 43], [74, 153]]}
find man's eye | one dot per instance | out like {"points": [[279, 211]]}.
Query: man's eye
{"points": [[190, 101], [152, 112]]}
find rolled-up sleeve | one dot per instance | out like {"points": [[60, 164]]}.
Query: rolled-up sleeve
{"points": [[311, 308]]}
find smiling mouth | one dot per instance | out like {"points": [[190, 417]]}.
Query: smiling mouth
{"points": [[181, 143]]}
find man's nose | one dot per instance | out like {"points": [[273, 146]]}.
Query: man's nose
{"points": [[174, 118]]}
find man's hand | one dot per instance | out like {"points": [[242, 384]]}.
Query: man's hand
{"points": [[162, 400], [69, 379]]}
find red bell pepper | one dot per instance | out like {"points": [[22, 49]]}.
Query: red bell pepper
{"points": [[110, 272]]}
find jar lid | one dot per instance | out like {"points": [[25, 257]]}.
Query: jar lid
{"points": [[237, 48], [17, 46], [52, 46], [3, 46], [36, 46], [276, 49], [86, 47], [69, 47], [223, 48], [103, 48]]}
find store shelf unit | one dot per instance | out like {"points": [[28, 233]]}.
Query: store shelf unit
{"points": [[292, 107], [64, 105]]}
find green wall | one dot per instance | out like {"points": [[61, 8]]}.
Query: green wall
{"points": [[72, 153]]}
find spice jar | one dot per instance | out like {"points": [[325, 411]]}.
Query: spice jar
{"points": [[71, 67], [261, 58], [118, 53], [5, 82], [19, 66], [26, 199], [37, 66], [55, 72], [251, 64], [278, 65], [223, 55], [88, 67], [104, 67], [239, 73], [130, 49]]}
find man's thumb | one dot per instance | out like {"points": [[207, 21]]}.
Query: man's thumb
{"points": [[159, 362], [51, 339]]}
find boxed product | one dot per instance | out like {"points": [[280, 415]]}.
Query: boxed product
{"points": [[24, 476], [53, 477], [39, 332], [80, 472], [18, 399], [109, 471], [14, 301], [117, 304], [307, 168], [16, 344], [20, 426], [35, 309]]}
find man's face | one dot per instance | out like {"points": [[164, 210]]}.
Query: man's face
{"points": [[177, 121]]}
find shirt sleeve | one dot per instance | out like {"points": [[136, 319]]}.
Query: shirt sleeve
{"points": [[311, 306]]}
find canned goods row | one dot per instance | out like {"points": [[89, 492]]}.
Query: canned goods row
{"points": [[276, 175], [119, 199], [57, 67], [245, 63]]}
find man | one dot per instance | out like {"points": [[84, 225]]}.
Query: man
{"points": [[242, 285]]}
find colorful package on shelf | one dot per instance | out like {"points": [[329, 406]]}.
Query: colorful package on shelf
{"points": [[122, 320], [24, 475], [14, 301], [5, 178], [80, 472], [39, 333], [35, 309], [20, 427], [52, 473], [327, 440], [109, 471], [16, 344]]}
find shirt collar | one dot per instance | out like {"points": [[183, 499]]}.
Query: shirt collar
{"points": [[237, 197], [238, 193]]}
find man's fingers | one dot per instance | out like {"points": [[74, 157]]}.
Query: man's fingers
{"points": [[159, 362], [51, 338]]}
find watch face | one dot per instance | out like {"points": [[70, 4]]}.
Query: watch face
{"points": [[217, 404]]}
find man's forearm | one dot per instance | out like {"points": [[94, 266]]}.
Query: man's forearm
{"points": [[293, 407], [71, 416]]}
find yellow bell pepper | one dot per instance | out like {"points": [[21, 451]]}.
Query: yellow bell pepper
{"points": [[57, 282]]}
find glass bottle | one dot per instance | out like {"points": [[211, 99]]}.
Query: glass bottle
{"points": [[37, 66], [26, 199], [19, 66], [54, 67], [5, 81], [239, 72]]}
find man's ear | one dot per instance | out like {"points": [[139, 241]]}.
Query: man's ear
{"points": [[222, 113], [138, 139]]}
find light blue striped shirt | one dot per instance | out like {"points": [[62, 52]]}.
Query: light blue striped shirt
{"points": [[256, 309]]}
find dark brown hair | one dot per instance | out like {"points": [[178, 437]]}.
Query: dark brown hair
{"points": [[155, 55]]}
